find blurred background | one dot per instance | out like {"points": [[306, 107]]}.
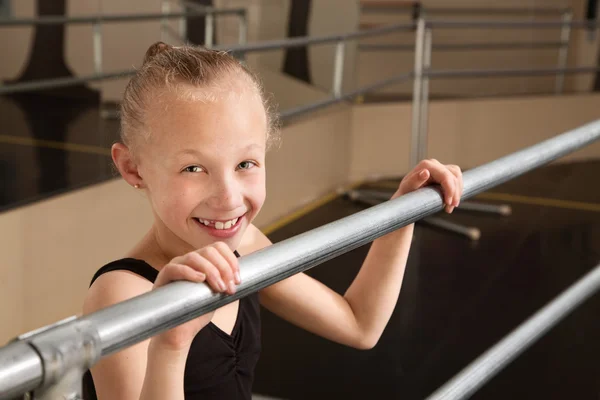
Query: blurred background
{"points": [[509, 75]]}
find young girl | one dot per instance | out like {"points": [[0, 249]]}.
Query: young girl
{"points": [[195, 130]]}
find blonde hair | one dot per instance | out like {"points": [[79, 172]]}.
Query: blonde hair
{"points": [[169, 67]]}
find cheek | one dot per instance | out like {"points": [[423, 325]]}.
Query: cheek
{"points": [[258, 190], [175, 197]]}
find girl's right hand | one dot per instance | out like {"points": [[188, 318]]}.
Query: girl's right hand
{"points": [[215, 264]]}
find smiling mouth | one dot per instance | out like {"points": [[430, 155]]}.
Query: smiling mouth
{"points": [[219, 225]]}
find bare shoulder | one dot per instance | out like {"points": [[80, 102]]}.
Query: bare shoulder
{"points": [[120, 375], [253, 240], [113, 287]]}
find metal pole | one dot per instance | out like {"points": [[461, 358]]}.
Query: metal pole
{"points": [[137, 319], [464, 46], [470, 232], [165, 8], [43, 84], [338, 69], [25, 373], [496, 358], [243, 29], [89, 19], [242, 36], [143, 316], [384, 195], [450, 24], [496, 11], [239, 49], [424, 113], [97, 45], [288, 114], [481, 73], [500, 209], [183, 27], [209, 29], [563, 52], [374, 198], [417, 92], [370, 9]]}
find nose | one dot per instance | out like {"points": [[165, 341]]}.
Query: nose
{"points": [[226, 194]]}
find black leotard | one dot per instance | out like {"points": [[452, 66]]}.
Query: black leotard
{"points": [[219, 366]]}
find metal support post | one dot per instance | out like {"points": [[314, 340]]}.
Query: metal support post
{"points": [[242, 36], [183, 28], [165, 8], [417, 92], [243, 29], [97, 45], [338, 69], [424, 112], [209, 30], [563, 52]]}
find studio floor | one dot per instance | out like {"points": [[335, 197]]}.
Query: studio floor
{"points": [[459, 297]]}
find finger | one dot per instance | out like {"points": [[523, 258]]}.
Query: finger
{"points": [[441, 175], [178, 272], [445, 179], [202, 264], [455, 169], [231, 259], [423, 177], [416, 180], [218, 260]]}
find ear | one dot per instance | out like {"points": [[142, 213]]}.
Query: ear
{"points": [[126, 164]]}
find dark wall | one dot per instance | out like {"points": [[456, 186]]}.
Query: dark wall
{"points": [[296, 59]]}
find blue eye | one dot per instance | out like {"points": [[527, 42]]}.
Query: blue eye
{"points": [[246, 165], [193, 168]]}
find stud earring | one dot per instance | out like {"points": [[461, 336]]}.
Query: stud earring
{"points": [[137, 186]]}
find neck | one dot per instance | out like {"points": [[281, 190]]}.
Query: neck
{"points": [[158, 247], [168, 244]]}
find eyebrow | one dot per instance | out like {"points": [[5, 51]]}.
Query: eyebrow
{"points": [[195, 152], [184, 152], [252, 146]]}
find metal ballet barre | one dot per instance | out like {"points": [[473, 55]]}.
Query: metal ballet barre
{"points": [[486, 366]]}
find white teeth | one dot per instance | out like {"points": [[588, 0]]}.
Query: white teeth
{"points": [[219, 224]]}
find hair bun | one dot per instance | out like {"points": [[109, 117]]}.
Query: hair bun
{"points": [[155, 49]]}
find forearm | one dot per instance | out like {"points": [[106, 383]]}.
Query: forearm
{"points": [[374, 292], [164, 373]]}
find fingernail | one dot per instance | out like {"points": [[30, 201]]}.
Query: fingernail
{"points": [[201, 275], [222, 285], [231, 287], [450, 209], [449, 201], [238, 279]]}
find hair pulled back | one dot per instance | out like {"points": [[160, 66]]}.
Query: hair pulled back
{"points": [[166, 66]]}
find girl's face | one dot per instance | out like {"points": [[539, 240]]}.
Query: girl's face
{"points": [[204, 166]]}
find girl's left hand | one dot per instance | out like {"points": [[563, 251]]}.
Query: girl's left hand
{"points": [[433, 172]]}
